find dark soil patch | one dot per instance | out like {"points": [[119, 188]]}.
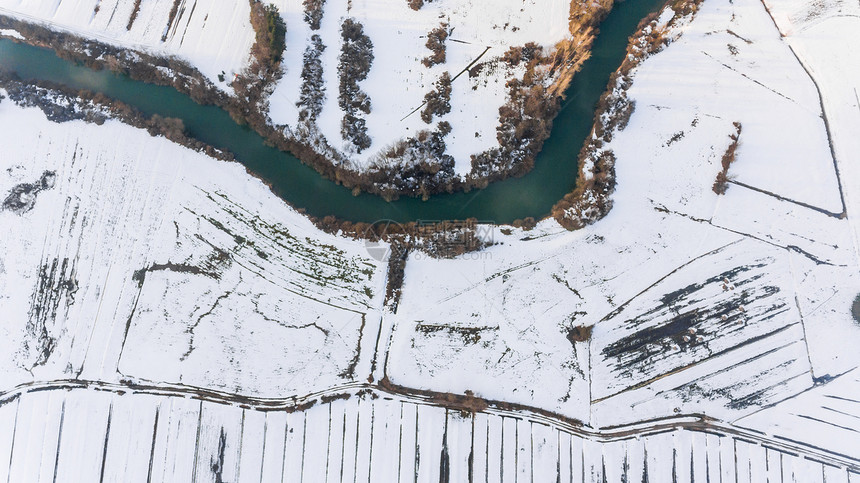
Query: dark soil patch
{"points": [[855, 309], [22, 197]]}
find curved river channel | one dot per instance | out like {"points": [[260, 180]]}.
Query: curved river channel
{"points": [[533, 195]]}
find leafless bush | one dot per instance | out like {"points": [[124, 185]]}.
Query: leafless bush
{"points": [[525, 53], [721, 184], [172, 15], [438, 101], [133, 16], [580, 333], [436, 43]]}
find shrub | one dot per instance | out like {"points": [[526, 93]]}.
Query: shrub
{"points": [[354, 129], [313, 12], [170, 17], [271, 33], [417, 165], [169, 127], [312, 92], [721, 184], [438, 101], [133, 16], [525, 121], [356, 57], [580, 333], [526, 53], [436, 43]]}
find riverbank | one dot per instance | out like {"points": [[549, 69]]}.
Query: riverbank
{"points": [[417, 165], [503, 202], [591, 200]]}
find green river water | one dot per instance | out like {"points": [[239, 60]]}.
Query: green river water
{"points": [[532, 195]]}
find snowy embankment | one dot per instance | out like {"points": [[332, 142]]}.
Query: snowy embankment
{"points": [[698, 303], [127, 257]]}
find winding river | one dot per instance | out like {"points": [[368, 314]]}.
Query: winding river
{"points": [[533, 195]]}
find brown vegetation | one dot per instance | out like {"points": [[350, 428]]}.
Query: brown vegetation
{"points": [[436, 43], [173, 10], [446, 239], [270, 31], [580, 333], [133, 15], [526, 53], [721, 184], [525, 122], [467, 402], [438, 101]]}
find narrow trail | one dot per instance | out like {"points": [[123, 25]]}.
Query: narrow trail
{"points": [[789, 200]]}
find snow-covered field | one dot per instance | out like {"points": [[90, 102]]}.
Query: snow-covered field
{"points": [[142, 262], [699, 303], [145, 260], [214, 36], [91, 434]]}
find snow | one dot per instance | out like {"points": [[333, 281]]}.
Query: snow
{"points": [[170, 269], [212, 35], [820, 33], [398, 52], [169, 438], [165, 275], [824, 416], [11, 33], [666, 236], [216, 38], [398, 81]]}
